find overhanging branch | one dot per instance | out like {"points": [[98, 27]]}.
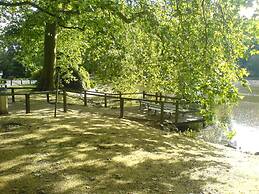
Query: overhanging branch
{"points": [[27, 3], [34, 5], [121, 15], [72, 27], [71, 12], [126, 19]]}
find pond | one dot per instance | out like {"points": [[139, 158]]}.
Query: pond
{"points": [[242, 120]]}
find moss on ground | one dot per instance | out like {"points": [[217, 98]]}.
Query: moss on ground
{"points": [[91, 150]]}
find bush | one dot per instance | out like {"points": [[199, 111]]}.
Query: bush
{"points": [[36, 75], [75, 79]]}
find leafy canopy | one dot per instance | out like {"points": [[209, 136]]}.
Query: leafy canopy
{"points": [[187, 48]]}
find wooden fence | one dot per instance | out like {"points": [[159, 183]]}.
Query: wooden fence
{"points": [[27, 96], [158, 102], [163, 102], [16, 82]]}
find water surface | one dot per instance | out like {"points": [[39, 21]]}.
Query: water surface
{"points": [[241, 120], [245, 119]]}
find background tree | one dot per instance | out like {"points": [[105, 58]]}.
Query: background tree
{"points": [[10, 66], [66, 14], [251, 59]]}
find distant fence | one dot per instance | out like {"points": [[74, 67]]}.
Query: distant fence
{"points": [[16, 82]]}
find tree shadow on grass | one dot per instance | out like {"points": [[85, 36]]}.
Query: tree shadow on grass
{"points": [[86, 152]]}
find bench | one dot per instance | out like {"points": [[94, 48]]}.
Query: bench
{"points": [[151, 106], [169, 108]]}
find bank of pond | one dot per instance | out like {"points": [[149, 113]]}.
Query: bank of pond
{"points": [[237, 128]]}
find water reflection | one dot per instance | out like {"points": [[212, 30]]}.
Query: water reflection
{"points": [[243, 118], [246, 138]]}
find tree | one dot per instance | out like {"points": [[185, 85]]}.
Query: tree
{"points": [[65, 14], [9, 65], [187, 48], [251, 58]]}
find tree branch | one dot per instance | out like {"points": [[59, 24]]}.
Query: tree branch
{"points": [[205, 28], [71, 12], [223, 17], [131, 19], [72, 27], [121, 15], [27, 3]]}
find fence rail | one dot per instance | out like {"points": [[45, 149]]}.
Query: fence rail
{"points": [[159, 104], [27, 95], [16, 82], [160, 100]]}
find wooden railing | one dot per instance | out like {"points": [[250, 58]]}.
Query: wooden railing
{"points": [[28, 94], [12, 89], [164, 104], [161, 100]]}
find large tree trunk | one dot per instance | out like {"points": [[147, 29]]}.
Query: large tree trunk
{"points": [[47, 75]]}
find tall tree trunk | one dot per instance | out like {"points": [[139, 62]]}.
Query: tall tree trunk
{"points": [[47, 75]]}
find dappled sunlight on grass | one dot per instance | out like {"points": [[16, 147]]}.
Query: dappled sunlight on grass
{"points": [[23, 138], [69, 183], [140, 156], [10, 177], [86, 151], [61, 140], [11, 164]]}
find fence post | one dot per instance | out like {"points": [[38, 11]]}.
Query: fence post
{"points": [[144, 94], [21, 81], [64, 100], [11, 82], [162, 112], [30, 81], [47, 97], [156, 97], [85, 98], [176, 111], [13, 97], [105, 100], [160, 96], [27, 103], [203, 122], [121, 107]]}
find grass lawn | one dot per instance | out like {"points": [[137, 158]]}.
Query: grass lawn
{"points": [[87, 150]]}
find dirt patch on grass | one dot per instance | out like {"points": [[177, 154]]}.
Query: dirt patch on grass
{"points": [[87, 151], [10, 126]]}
